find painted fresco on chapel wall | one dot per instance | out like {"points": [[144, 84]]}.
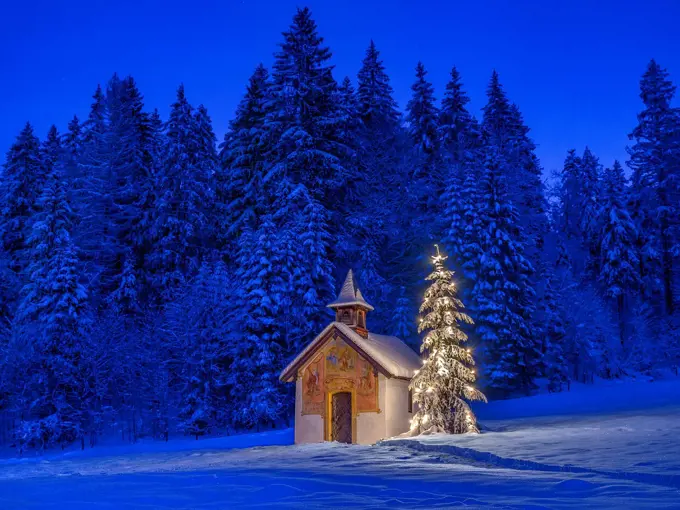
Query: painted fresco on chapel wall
{"points": [[337, 365], [312, 386]]}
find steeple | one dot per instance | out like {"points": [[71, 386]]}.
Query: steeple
{"points": [[350, 306]]}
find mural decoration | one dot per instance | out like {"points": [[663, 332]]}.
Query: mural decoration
{"points": [[367, 387], [341, 359], [337, 366], [313, 387]]}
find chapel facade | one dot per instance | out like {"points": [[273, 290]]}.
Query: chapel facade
{"points": [[351, 385]]}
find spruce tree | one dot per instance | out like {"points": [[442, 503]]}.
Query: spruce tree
{"points": [[423, 115], [181, 222], [53, 313], [199, 318], [443, 385], [239, 176], [502, 296], [22, 182], [569, 197], [426, 183], [654, 160], [589, 194], [553, 334], [497, 118], [72, 140], [304, 115], [459, 132], [259, 395], [317, 280], [504, 128], [619, 260], [460, 139], [377, 106]]}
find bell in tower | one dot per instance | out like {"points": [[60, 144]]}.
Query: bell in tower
{"points": [[351, 307]]}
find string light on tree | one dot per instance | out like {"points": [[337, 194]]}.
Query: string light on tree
{"points": [[447, 372]]}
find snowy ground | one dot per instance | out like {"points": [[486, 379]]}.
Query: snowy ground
{"points": [[615, 445]]}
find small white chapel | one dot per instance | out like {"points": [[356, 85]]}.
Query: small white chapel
{"points": [[351, 385]]}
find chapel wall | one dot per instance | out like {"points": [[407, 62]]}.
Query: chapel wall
{"points": [[397, 417]]}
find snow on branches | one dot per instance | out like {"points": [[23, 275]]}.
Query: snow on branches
{"points": [[444, 384]]}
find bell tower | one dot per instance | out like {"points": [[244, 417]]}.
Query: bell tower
{"points": [[351, 307]]}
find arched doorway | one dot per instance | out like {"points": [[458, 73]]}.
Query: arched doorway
{"points": [[341, 417]]}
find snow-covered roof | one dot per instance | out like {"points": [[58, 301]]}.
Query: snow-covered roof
{"points": [[391, 355], [349, 294]]}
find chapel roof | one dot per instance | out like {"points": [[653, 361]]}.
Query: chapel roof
{"points": [[392, 356], [349, 295]]}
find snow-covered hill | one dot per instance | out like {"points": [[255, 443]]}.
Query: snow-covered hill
{"points": [[600, 446]]}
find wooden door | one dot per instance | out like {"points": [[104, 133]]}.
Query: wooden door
{"points": [[341, 424]]}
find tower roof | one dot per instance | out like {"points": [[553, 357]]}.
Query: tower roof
{"points": [[349, 295]]}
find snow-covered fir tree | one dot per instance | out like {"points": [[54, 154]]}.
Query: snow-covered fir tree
{"points": [[23, 179], [199, 318], [617, 235], [569, 211], [53, 312], [239, 177], [304, 113], [551, 319], [503, 300], [460, 140], [422, 117], [459, 132], [655, 191], [263, 301], [444, 385], [377, 106], [181, 221], [504, 128]]}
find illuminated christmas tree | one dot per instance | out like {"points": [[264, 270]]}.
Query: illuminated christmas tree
{"points": [[443, 387]]}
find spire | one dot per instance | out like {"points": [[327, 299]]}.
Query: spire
{"points": [[349, 294]]}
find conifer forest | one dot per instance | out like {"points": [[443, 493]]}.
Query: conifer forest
{"points": [[154, 280]]}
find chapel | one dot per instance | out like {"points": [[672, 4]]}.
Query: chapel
{"points": [[351, 385]]}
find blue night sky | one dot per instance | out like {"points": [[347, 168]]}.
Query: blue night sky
{"points": [[572, 66]]}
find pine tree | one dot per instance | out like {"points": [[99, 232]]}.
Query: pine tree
{"points": [[460, 138], [91, 189], [423, 114], [199, 318], [553, 334], [426, 183], [72, 140], [504, 128], [497, 118], [619, 274], [589, 193], [655, 158], [459, 132], [255, 385], [304, 115], [569, 197], [53, 312], [503, 297], [444, 383], [181, 220], [23, 180], [377, 106], [464, 223], [51, 150], [317, 280], [239, 177]]}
